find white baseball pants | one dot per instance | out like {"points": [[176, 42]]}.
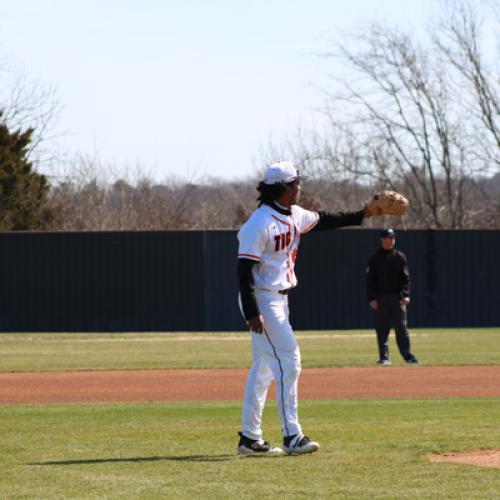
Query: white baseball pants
{"points": [[275, 355]]}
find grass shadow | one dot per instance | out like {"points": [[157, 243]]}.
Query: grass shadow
{"points": [[177, 458], [174, 458]]}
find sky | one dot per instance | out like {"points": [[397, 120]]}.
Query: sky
{"points": [[187, 88]]}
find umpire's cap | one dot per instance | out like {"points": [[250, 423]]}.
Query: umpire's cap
{"points": [[388, 233]]}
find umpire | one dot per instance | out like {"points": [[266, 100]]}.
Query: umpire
{"points": [[388, 288]]}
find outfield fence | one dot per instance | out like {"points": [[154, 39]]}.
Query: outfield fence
{"points": [[186, 280]]}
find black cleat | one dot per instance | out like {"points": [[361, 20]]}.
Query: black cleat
{"points": [[248, 446], [299, 445]]}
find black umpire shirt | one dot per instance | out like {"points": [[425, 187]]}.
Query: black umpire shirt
{"points": [[387, 273]]}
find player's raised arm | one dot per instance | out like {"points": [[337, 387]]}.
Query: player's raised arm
{"points": [[330, 220]]}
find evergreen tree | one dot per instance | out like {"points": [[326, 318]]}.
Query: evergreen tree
{"points": [[23, 192]]}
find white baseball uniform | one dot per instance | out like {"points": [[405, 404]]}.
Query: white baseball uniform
{"points": [[271, 239]]}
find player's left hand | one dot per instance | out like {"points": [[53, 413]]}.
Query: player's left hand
{"points": [[405, 301], [387, 203]]}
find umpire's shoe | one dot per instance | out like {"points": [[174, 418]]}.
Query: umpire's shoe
{"points": [[412, 361], [299, 445], [384, 362], [248, 446]]}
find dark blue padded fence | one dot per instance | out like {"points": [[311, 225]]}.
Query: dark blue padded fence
{"points": [[186, 280]]}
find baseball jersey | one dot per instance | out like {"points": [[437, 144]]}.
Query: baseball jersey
{"points": [[272, 239]]}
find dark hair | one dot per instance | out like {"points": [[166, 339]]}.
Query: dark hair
{"points": [[269, 192]]}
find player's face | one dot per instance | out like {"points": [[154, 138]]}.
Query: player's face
{"points": [[293, 192], [388, 243]]}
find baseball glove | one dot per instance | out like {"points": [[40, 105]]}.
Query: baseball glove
{"points": [[388, 203]]}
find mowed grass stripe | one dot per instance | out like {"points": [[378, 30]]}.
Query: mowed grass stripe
{"points": [[101, 351]]}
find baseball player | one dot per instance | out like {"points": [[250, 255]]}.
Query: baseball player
{"points": [[268, 244]]}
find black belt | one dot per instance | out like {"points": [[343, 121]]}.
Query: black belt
{"points": [[282, 292]]}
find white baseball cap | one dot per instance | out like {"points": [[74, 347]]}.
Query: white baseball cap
{"points": [[281, 172]]}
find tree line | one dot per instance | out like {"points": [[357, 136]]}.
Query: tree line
{"points": [[419, 117], [226, 205]]}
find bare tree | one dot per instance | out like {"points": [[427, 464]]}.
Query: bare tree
{"points": [[423, 119], [78, 195], [29, 104], [90, 202], [87, 195]]}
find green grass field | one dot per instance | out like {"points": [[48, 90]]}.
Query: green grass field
{"points": [[42, 352], [370, 449]]}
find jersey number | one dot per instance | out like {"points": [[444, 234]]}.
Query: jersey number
{"points": [[281, 241]]}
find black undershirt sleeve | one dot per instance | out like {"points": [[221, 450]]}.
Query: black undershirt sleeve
{"points": [[330, 220], [245, 280]]}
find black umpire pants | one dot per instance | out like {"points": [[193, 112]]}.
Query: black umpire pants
{"points": [[391, 313]]}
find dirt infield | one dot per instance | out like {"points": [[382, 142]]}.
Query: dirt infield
{"points": [[228, 384]]}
